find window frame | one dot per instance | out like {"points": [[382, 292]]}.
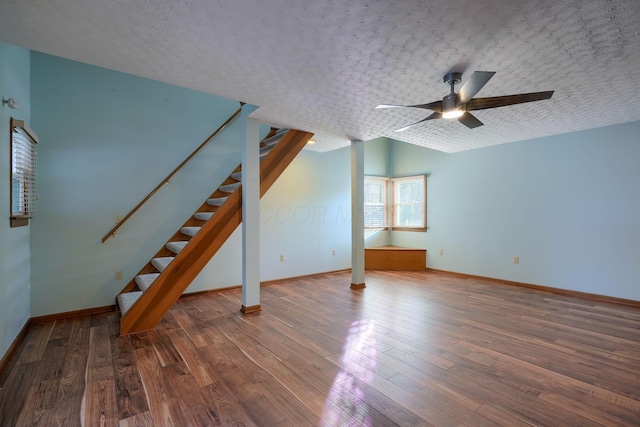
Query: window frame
{"points": [[384, 181], [27, 178], [395, 203]]}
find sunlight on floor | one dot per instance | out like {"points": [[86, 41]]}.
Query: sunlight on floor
{"points": [[358, 361]]}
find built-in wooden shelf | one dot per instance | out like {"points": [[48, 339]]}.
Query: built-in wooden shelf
{"points": [[395, 258]]}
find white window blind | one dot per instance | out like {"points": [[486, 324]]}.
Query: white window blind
{"points": [[409, 202], [376, 202], [24, 190]]}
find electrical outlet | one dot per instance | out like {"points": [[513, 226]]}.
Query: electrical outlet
{"points": [[441, 252], [118, 274], [516, 260], [281, 258], [333, 252]]}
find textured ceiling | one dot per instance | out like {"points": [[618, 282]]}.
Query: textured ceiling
{"points": [[323, 65]]}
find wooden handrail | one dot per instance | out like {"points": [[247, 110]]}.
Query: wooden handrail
{"points": [[112, 232]]}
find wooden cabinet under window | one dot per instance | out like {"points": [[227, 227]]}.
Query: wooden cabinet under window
{"points": [[395, 258]]}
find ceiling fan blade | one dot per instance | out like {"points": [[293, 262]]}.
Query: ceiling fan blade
{"points": [[378, 107], [435, 106], [476, 82], [432, 116], [502, 101], [469, 120]]}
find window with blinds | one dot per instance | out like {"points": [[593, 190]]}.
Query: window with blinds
{"points": [[409, 203], [376, 202], [23, 173]]}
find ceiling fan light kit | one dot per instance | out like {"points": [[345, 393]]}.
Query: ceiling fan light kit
{"points": [[458, 105], [453, 114]]}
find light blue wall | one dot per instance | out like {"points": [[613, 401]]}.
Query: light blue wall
{"points": [[304, 216], [14, 242], [567, 205], [110, 138]]}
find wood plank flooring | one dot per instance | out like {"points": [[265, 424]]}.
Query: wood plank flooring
{"points": [[412, 349]]}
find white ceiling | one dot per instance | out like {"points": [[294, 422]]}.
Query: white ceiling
{"points": [[323, 65]]}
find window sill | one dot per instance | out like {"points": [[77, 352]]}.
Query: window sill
{"points": [[19, 221], [418, 230]]}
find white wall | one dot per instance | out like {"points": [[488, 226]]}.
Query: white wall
{"points": [[567, 205], [14, 242]]}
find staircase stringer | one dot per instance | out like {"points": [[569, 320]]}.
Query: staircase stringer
{"points": [[152, 305]]}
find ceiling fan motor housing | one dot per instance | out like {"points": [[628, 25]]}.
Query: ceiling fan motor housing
{"points": [[449, 102]]}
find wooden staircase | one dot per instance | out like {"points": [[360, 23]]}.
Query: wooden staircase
{"points": [[147, 297]]}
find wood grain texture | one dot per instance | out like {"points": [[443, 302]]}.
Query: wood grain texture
{"points": [[412, 349], [598, 298], [395, 258], [4, 361]]}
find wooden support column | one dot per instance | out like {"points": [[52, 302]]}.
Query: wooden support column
{"points": [[250, 215], [357, 215]]}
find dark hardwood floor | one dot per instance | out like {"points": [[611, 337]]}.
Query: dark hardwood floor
{"points": [[412, 349]]}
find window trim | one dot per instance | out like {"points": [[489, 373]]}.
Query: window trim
{"points": [[21, 219], [394, 204]]}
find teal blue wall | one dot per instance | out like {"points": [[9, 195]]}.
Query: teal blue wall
{"points": [[109, 138], [567, 205], [14, 242]]}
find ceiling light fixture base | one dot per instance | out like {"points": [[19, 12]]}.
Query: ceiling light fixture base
{"points": [[452, 78]]}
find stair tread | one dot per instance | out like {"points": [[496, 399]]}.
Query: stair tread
{"points": [[237, 176], [162, 262], [190, 231], [217, 201], [203, 216], [144, 281], [230, 188], [272, 140], [266, 150], [176, 247], [126, 300]]}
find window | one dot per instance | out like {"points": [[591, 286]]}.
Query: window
{"points": [[408, 210], [376, 202], [409, 203], [23, 173]]}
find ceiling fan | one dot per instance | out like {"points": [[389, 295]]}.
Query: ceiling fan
{"points": [[458, 105]]}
